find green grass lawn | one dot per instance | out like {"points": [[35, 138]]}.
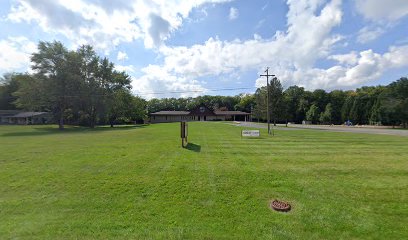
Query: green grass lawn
{"points": [[138, 183]]}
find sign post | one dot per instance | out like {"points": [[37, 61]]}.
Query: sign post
{"points": [[184, 133]]}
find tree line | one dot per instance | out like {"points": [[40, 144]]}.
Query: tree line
{"points": [[375, 105], [78, 87]]}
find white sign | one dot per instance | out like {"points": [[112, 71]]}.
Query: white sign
{"points": [[250, 133]]}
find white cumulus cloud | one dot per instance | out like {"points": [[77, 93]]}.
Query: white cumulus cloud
{"points": [[130, 69], [291, 55], [158, 82], [345, 59], [307, 39], [122, 56], [360, 68], [103, 23], [367, 33], [379, 10], [15, 54], [233, 13]]}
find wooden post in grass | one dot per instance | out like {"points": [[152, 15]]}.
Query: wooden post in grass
{"points": [[184, 134]]}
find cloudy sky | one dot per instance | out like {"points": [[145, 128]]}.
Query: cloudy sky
{"points": [[177, 48]]}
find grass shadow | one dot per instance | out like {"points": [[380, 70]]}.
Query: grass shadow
{"points": [[193, 147], [49, 130]]}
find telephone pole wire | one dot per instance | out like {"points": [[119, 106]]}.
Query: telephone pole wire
{"points": [[267, 97]]}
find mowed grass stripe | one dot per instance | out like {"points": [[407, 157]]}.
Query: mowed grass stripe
{"points": [[129, 182]]}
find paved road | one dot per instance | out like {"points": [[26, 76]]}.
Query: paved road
{"points": [[263, 125], [354, 129]]}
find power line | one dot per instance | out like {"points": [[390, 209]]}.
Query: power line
{"points": [[194, 91]]}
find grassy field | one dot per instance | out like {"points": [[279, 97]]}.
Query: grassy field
{"points": [[138, 183]]}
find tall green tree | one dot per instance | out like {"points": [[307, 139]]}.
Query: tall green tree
{"points": [[124, 107], [76, 86], [51, 69], [139, 106], [313, 114], [276, 100], [400, 88], [8, 85], [295, 111], [246, 102], [93, 93], [393, 103], [347, 106], [327, 115], [320, 98], [32, 93], [260, 107], [276, 110], [337, 99]]}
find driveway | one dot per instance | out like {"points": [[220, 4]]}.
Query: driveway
{"points": [[354, 129]]}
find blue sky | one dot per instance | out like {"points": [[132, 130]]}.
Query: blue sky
{"points": [[190, 48]]}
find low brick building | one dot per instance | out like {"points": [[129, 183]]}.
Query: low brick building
{"points": [[201, 113]]}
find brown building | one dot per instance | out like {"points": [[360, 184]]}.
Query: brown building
{"points": [[24, 118], [200, 113]]}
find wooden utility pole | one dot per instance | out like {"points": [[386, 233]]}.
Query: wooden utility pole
{"points": [[267, 97]]}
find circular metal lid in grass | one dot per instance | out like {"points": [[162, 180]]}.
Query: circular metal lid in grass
{"points": [[280, 206]]}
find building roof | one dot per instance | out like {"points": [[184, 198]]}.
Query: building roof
{"points": [[231, 113], [9, 112], [28, 114], [170, 113], [201, 110], [219, 113]]}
